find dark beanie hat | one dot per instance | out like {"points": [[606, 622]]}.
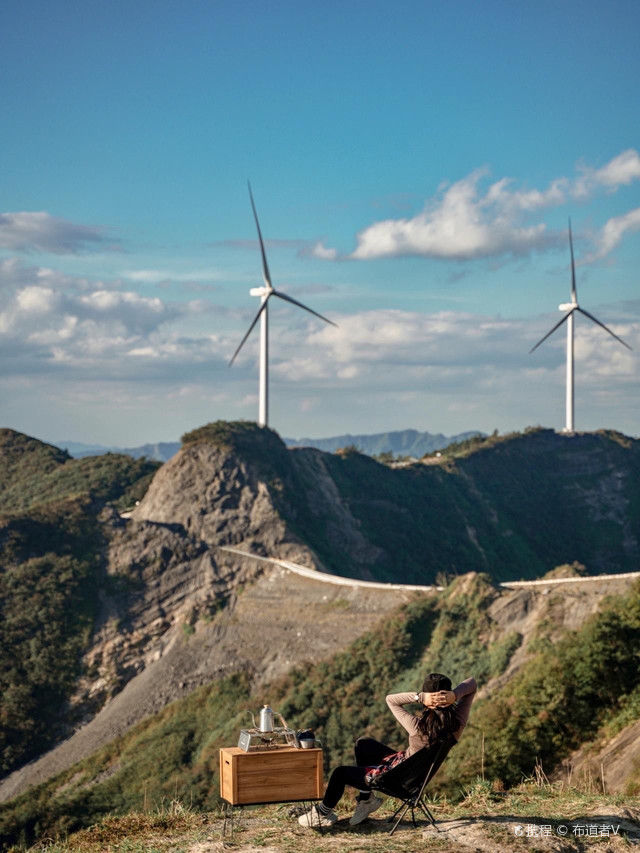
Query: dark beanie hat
{"points": [[435, 681]]}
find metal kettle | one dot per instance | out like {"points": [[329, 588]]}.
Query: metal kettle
{"points": [[266, 719]]}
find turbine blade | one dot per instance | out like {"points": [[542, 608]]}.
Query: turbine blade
{"points": [[250, 329], [300, 305], [574, 294], [265, 266], [557, 326], [606, 328]]}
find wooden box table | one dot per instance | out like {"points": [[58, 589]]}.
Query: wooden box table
{"points": [[278, 775]]}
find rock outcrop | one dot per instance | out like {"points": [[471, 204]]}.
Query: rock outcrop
{"points": [[220, 498]]}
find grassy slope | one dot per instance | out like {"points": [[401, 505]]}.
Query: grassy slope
{"points": [[174, 754], [33, 473], [485, 820], [560, 496], [51, 572]]}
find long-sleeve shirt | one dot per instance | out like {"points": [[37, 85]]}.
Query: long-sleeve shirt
{"points": [[464, 693]]}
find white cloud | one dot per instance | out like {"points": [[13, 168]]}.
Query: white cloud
{"points": [[39, 231], [620, 171], [319, 250], [371, 343], [35, 300], [387, 369], [462, 225], [503, 197], [136, 314], [452, 355], [49, 320], [623, 169], [124, 311], [613, 232], [465, 222], [151, 276]]}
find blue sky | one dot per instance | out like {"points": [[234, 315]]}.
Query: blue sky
{"points": [[414, 168]]}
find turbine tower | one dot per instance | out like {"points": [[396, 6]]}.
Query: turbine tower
{"points": [[571, 308], [265, 293]]}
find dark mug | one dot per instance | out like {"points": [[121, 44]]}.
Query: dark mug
{"points": [[306, 739]]}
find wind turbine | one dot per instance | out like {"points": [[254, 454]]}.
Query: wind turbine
{"points": [[571, 308], [265, 293]]}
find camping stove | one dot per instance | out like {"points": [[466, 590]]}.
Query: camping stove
{"points": [[252, 740]]}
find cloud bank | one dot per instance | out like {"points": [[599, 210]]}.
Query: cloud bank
{"points": [[466, 221], [54, 322], [41, 232], [92, 349]]}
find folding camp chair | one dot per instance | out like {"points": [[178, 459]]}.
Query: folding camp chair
{"points": [[407, 781]]}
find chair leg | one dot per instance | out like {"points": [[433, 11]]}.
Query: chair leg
{"points": [[428, 814], [403, 812], [308, 806], [393, 816]]}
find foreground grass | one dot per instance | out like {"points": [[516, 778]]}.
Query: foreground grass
{"points": [[485, 818]]}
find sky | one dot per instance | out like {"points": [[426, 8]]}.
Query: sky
{"points": [[414, 168]]}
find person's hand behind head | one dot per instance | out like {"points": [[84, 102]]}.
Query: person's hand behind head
{"points": [[440, 699]]}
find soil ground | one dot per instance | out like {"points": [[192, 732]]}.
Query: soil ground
{"points": [[530, 818]]}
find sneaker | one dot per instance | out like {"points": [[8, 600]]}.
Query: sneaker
{"points": [[364, 809], [315, 818]]}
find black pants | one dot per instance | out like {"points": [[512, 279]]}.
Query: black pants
{"points": [[369, 753]]}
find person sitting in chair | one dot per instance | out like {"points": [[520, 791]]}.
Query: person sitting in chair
{"points": [[445, 712]]}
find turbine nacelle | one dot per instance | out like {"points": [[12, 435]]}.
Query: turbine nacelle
{"points": [[567, 306], [260, 291]]}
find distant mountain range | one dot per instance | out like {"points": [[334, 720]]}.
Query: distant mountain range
{"points": [[162, 451], [406, 442]]}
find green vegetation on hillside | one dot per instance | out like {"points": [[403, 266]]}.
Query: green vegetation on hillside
{"points": [[51, 574], [423, 521], [560, 699], [173, 754], [229, 434], [33, 473], [511, 506], [47, 605], [260, 448], [562, 498], [470, 445], [344, 698]]}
